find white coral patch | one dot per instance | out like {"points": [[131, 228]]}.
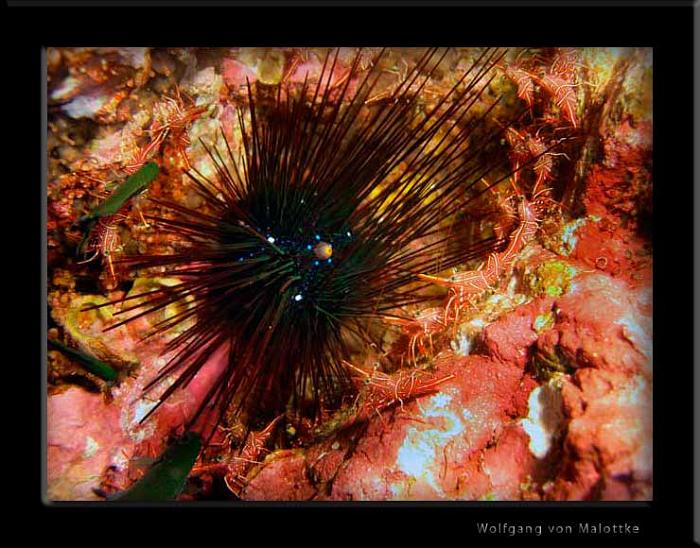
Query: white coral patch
{"points": [[634, 394], [142, 408], [462, 346], [544, 419], [422, 448], [68, 86], [441, 400], [396, 490], [634, 333], [130, 423], [107, 149], [478, 323], [415, 456], [568, 236], [85, 106], [91, 447], [136, 57]]}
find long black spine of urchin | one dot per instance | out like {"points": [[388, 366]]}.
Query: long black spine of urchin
{"points": [[375, 185]]}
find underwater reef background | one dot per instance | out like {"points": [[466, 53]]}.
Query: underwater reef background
{"points": [[541, 377]]}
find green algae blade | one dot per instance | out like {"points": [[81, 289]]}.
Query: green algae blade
{"points": [[166, 479], [131, 187], [93, 365]]}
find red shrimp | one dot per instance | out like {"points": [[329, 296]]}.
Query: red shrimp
{"points": [[379, 391], [466, 287], [524, 80], [563, 94], [427, 323], [234, 467]]}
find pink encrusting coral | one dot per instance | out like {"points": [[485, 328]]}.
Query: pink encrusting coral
{"points": [[495, 432], [93, 442], [535, 383]]}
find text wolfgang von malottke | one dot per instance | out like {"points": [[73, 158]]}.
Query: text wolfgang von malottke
{"points": [[581, 528]]}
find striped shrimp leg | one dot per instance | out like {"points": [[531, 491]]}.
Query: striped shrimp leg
{"points": [[466, 286], [383, 391], [527, 228], [425, 324]]}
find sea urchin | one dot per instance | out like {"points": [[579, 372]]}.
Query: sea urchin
{"points": [[319, 230]]}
